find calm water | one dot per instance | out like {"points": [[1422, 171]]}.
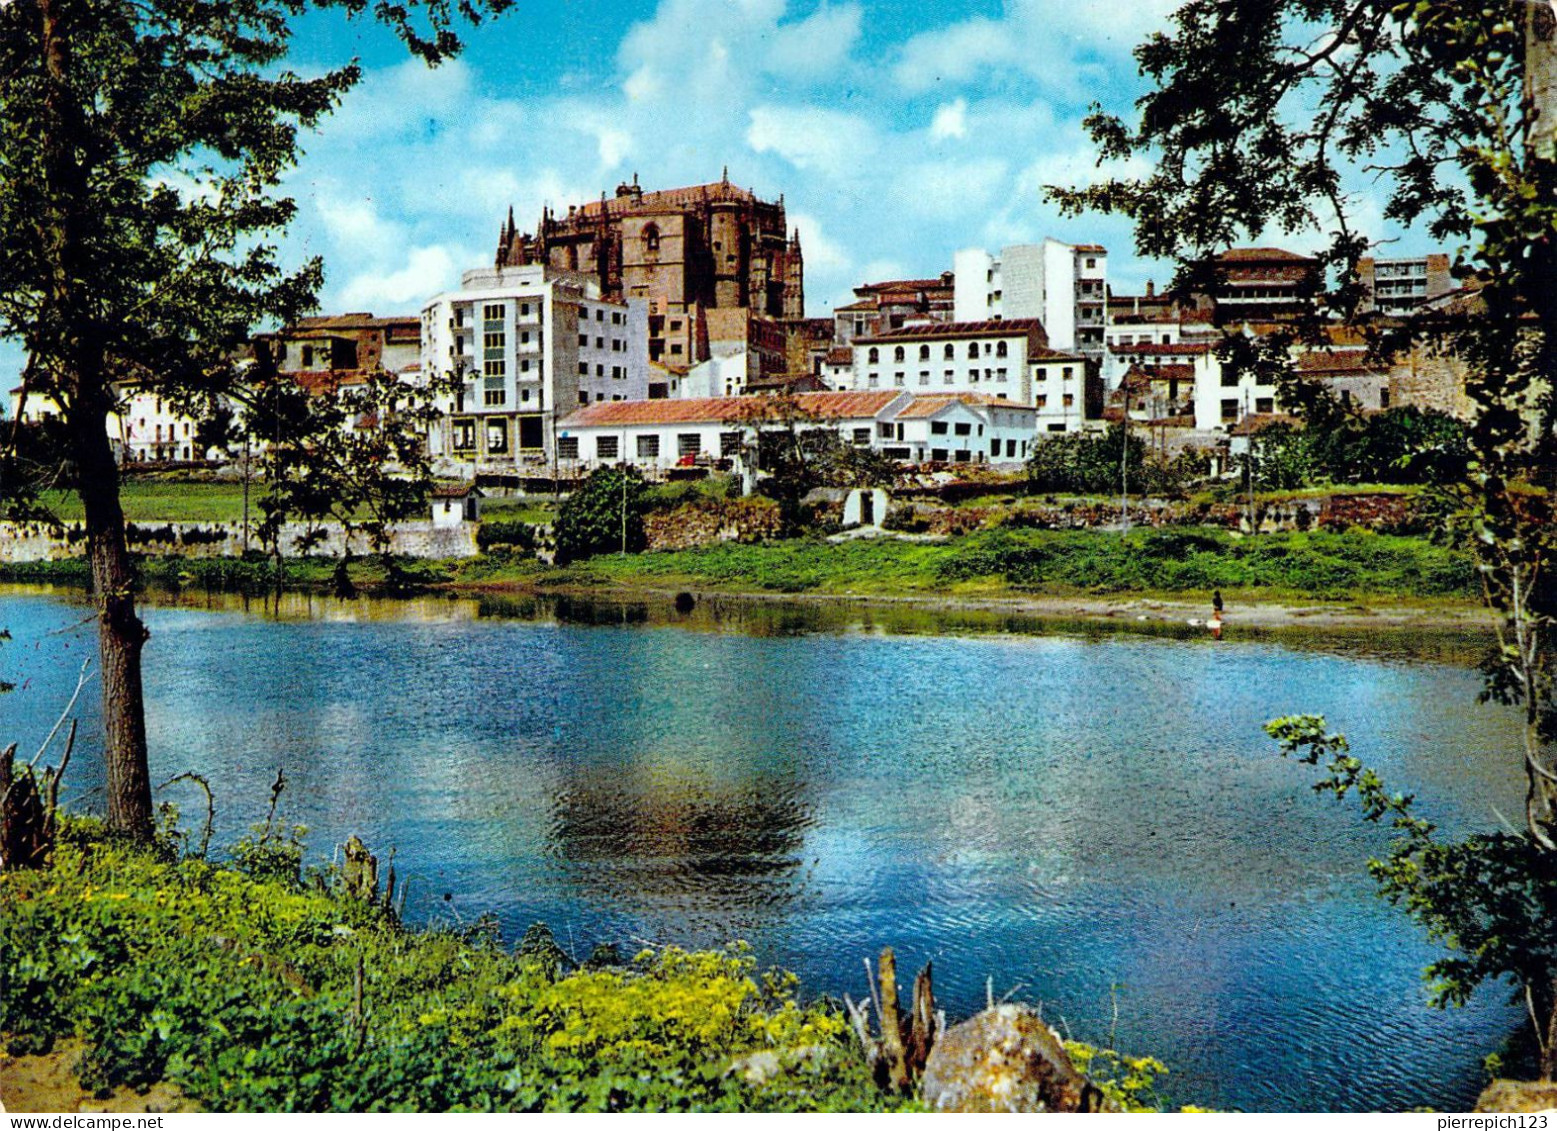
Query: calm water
{"points": [[1075, 814]]}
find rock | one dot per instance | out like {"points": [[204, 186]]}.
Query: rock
{"points": [[758, 1067], [1518, 1096], [1004, 1059]]}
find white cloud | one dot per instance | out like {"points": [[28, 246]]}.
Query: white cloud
{"points": [[950, 121], [426, 271], [809, 137], [816, 47]]}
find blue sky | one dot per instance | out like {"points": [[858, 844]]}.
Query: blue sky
{"points": [[896, 131]]}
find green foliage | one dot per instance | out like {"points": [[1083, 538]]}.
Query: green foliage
{"points": [[241, 989], [1129, 1082], [506, 532], [1404, 445], [604, 515], [1085, 463], [1490, 898]]}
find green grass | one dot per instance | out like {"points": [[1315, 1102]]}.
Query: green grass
{"points": [[146, 500], [518, 510], [1330, 566], [241, 983]]}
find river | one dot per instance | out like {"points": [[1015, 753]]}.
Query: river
{"points": [[1092, 819]]}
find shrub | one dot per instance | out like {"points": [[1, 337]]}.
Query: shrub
{"points": [[603, 515]]}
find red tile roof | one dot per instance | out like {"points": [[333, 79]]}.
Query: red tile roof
{"points": [[840, 355], [929, 404], [706, 410], [995, 328], [321, 381], [1052, 355], [1261, 255], [1259, 421]]}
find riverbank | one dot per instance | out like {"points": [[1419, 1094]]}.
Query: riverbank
{"points": [[159, 980], [1353, 579]]}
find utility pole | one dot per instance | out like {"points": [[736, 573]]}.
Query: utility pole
{"points": [[622, 471], [1124, 466]]}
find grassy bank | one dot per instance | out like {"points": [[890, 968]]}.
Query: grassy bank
{"points": [[1351, 565], [1354, 565], [253, 987], [155, 500]]}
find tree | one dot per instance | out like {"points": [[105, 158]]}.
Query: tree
{"points": [[142, 143], [604, 516], [795, 451], [1260, 112]]}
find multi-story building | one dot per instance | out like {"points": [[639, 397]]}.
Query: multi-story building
{"points": [[990, 357], [345, 344], [1263, 285], [531, 344], [1064, 286], [1066, 391], [683, 251], [882, 307], [1397, 287], [145, 426]]}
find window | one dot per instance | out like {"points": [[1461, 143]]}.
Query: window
{"points": [[1229, 379], [583, 339], [924, 353], [1054, 428], [950, 376], [651, 239], [600, 343], [689, 444], [497, 436], [924, 376], [1091, 261], [973, 349], [459, 344], [882, 430], [962, 455], [1067, 373], [497, 369], [1000, 375], [862, 435], [973, 376], [459, 316], [963, 429], [897, 379], [938, 455], [308, 357], [1070, 400], [1229, 409], [567, 447], [994, 448], [729, 445], [605, 447], [1265, 404], [494, 398], [492, 312], [1010, 449], [600, 315], [897, 354], [524, 310], [1383, 398], [599, 370], [937, 427], [649, 447], [1000, 349], [875, 355], [950, 352], [583, 369], [1041, 400], [873, 380]]}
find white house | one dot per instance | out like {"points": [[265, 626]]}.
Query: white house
{"points": [[989, 357], [956, 428], [1060, 392], [533, 344]]}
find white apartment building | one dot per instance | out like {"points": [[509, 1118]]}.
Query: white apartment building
{"points": [[661, 434], [143, 427], [1064, 286], [532, 344], [1059, 391], [989, 357]]}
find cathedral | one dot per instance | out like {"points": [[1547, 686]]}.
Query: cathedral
{"points": [[687, 251]]}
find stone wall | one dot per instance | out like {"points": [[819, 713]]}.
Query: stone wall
{"points": [[31, 541]]}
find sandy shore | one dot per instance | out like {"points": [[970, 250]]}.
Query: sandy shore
{"points": [[1117, 608]]}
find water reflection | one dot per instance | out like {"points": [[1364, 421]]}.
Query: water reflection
{"points": [[1063, 808]]}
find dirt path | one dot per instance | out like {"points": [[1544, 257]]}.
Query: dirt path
{"points": [[48, 1083]]}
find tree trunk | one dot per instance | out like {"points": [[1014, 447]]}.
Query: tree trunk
{"points": [[75, 342], [120, 633]]}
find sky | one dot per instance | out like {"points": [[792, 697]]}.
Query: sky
{"points": [[897, 131]]}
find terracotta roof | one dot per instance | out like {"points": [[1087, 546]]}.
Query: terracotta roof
{"points": [[862, 304], [666, 199], [1094, 247], [1261, 255], [452, 491], [705, 410], [995, 328], [357, 320], [904, 285], [1045, 354], [840, 355], [1171, 372], [929, 404]]}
